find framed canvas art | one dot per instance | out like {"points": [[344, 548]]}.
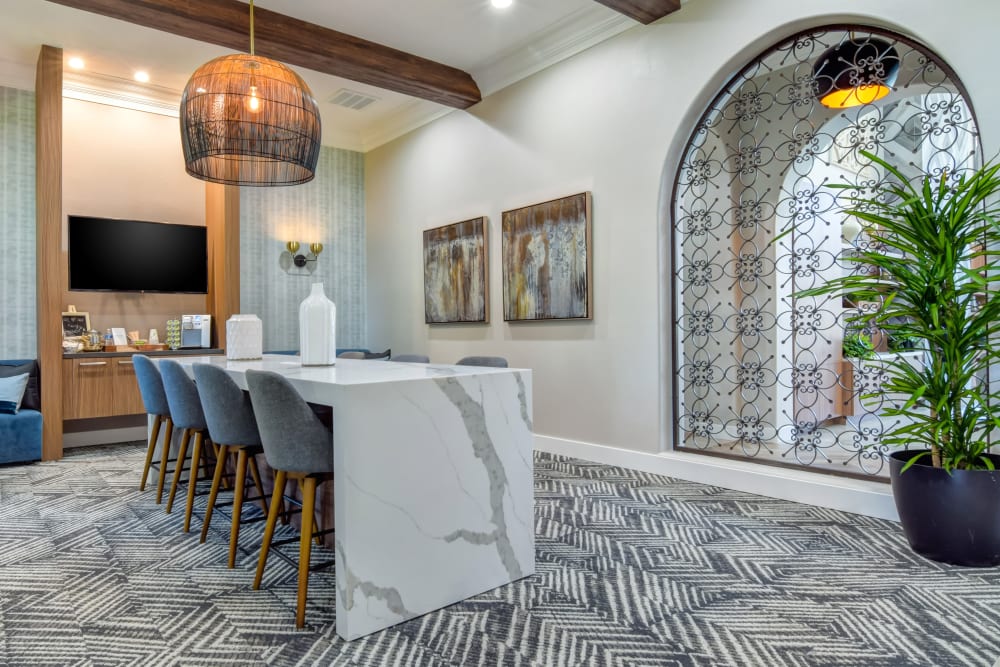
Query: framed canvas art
{"points": [[547, 260], [455, 273]]}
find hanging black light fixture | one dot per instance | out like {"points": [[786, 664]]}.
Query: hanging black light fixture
{"points": [[249, 120], [855, 72]]}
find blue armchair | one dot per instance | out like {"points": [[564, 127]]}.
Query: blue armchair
{"points": [[21, 434]]}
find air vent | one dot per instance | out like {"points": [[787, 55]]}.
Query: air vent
{"points": [[352, 99]]}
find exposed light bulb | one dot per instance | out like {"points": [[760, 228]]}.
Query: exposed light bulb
{"points": [[76, 63], [142, 76], [502, 4], [253, 104]]}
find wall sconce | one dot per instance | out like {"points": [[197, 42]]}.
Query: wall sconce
{"points": [[291, 259], [300, 260]]}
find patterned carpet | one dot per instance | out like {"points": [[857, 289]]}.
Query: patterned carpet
{"points": [[633, 569]]}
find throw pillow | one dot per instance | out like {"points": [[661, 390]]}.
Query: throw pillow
{"points": [[378, 355], [32, 399], [11, 392]]}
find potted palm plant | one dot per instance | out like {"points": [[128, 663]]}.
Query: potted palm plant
{"points": [[932, 265]]}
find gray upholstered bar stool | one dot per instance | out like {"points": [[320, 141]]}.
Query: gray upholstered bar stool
{"points": [[496, 362], [155, 401], [185, 410], [297, 446], [233, 429]]}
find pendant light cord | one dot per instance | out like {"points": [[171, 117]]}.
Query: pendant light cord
{"points": [[251, 27]]}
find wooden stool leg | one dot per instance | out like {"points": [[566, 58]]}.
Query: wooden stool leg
{"points": [[255, 471], [196, 457], [178, 468], [305, 547], [272, 518], [225, 481], [153, 436], [168, 435], [234, 532], [220, 463]]}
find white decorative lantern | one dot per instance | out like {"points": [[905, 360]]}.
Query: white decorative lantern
{"points": [[317, 329], [244, 337]]}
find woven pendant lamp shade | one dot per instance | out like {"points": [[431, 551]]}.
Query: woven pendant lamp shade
{"points": [[248, 120]]}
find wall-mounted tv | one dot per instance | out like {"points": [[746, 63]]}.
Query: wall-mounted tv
{"points": [[136, 256]]}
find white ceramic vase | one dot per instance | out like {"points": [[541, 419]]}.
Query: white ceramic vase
{"points": [[244, 337], [317, 329]]}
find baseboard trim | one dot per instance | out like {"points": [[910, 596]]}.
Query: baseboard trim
{"points": [[104, 436], [840, 493]]}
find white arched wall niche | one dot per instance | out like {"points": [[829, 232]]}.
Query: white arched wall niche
{"points": [[604, 121]]}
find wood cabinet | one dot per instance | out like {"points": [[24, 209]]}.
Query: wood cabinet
{"points": [[125, 392], [88, 386], [100, 387]]}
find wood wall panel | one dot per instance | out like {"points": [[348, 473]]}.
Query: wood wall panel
{"points": [[222, 217], [48, 212]]}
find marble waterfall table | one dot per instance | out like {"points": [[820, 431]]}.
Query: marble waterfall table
{"points": [[432, 481]]}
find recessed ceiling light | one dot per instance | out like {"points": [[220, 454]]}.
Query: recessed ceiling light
{"points": [[142, 77], [502, 4], [76, 63]]}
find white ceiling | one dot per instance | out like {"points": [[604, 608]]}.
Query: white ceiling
{"points": [[497, 47]]}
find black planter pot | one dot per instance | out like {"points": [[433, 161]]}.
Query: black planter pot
{"points": [[948, 518]]}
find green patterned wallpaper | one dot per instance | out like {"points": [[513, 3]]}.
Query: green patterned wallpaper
{"points": [[330, 210], [17, 224]]}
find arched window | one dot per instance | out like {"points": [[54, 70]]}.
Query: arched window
{"points": [[760, 373]]}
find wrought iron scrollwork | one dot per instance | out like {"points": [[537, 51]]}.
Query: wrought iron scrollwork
{"points": [[760, 372]]}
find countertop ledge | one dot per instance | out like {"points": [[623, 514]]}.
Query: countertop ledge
{"points": [[191, 352]]}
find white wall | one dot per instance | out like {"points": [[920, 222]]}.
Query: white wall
{"points": [[611, 120]]}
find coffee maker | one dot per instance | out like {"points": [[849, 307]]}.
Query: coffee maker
{"points": [[196, 331]]}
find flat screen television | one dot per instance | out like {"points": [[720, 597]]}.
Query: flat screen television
{"points": [[136, 256]]}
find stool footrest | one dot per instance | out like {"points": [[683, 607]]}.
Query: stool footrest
{"points": [[289, 540], [294, 562]]}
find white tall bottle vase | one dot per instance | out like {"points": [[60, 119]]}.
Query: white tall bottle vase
{"points": [[317, 329]]}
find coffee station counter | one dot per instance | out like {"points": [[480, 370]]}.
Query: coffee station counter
{"points": [[198, 351], [103, 384]]}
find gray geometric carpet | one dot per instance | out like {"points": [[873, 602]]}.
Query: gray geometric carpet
{"points": [[633, 570]]}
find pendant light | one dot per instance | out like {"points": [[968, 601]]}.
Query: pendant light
{"points": [[249, 120], [855, 72]]}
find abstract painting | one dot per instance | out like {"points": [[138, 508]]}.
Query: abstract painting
{"points": [[455, 273], [547, 260]]}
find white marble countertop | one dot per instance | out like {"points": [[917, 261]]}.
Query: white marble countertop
{"points": [[346, 371], [433, 480]]}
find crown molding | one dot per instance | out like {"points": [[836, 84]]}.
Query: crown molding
{"points": [[575, 33], [123, 93], [408, 118], [126, 94]]}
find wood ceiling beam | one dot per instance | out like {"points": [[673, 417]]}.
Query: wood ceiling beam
{"points": [[643, 11], [292, 41]]}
